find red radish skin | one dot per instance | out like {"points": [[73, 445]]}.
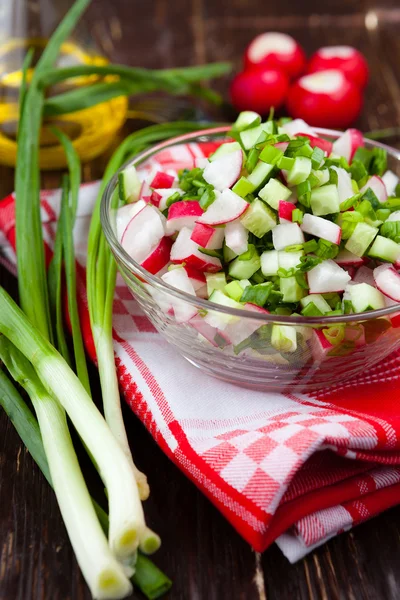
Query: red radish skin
{"points": [[143, 233], [285, 210], [259, 90], [208, 237], [184, 249], [223, 172], [162, 180], [183, 214], [344, 58], [317, 142], [387, 280], [325, 99], [225, 208], [377, 186], [197, 278], [155, 199], [276, 51], [159, 257], [346, 145], [321, 228]]}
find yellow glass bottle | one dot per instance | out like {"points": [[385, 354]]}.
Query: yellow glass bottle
{"points": [[29, 23]]}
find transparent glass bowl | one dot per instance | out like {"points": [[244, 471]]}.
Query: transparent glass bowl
{"points": [[236, 345]]}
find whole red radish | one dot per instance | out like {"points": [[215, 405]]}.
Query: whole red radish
{"points": [[325, 99], [259, 90], [345, 58], [274, 50]]}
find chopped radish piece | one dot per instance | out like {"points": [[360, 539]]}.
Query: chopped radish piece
{"points": [[298, 126], [145, 192], [325, 99], [201, 162], [159, 257], [327, 277], [387, 280], [276, 51], [376, 184], [125, 214], [204, 329], [317, 142], [225, 208], [178, 278], [236, 237], [259, 89], [285, 210], [394, 216], [345, 58], [287, 234], [364, 275], [143, 233], [183, 214], [345, 189], [211, 238], [223, 172], [391, 181], [345, 258], [162, 195], [238, 331], [186, 250], [197, 278], [347, 144], [321, 228], [162, 180]]}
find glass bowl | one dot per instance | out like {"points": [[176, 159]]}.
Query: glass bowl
{"points": [[248, 348]]}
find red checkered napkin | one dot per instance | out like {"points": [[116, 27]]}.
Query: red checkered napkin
{"points": [[297, 469]]}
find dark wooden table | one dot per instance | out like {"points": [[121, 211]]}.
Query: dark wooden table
{"points": [[201, 552]]}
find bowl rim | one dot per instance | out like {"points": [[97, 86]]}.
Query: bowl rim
{"points": [[132, 266]]}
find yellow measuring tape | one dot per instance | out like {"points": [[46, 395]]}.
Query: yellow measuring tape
{"points": [[91, 129]]}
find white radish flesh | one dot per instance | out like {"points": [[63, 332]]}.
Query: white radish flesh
{"points": [[143, 233], [321, 228], [391, 181], [223, 172], [236, 237], [226, 207], [327, 277], [387, 280], [287, 234]]}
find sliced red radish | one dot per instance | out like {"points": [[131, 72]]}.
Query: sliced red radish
{"points": [[387, 280], [162, 180], [186, 250], [317, 142], [236, 237], [201, 162], [160, 196], [183, 214], [391, 181], [237, 331], [298, 126], [155, 198], [276, 51], [259, 90], [145, 192], [204, 329], [282, 146], [321, 228], [196, 277], [345, 58], [223, 172], [320, 346], [364, 275], [159, 257], [327, 277], [345, 258], [376, 184], [178, 278], [285, 210], [287, 234], [225, 208], [143, 233], [346, 145], [325, 99], [211, 238], [345, 189], [125, 214]]}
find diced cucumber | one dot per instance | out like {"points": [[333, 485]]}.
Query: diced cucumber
{"points": [[129, 184], [258, 218], [284, 338], [250, 136], [322, 176], [365, 297], [362, 236], [291, 290], [300, 171], [289, 260], [244, 269], [246, 120], [325, 200], [260, 174], [215, 281], [225, 149], [319, 302], [285, 163], [273, 192], [243, 187], [385, 249], [269, 263], [228, 254], [234, 289]]}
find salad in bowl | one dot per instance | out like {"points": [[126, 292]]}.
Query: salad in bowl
{"points": [[271, 258]]}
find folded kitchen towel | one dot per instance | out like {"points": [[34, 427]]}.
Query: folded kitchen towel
{"points": [[293, 468]]}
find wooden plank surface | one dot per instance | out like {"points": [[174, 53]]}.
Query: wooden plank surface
{"points": [[201, 552]]}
